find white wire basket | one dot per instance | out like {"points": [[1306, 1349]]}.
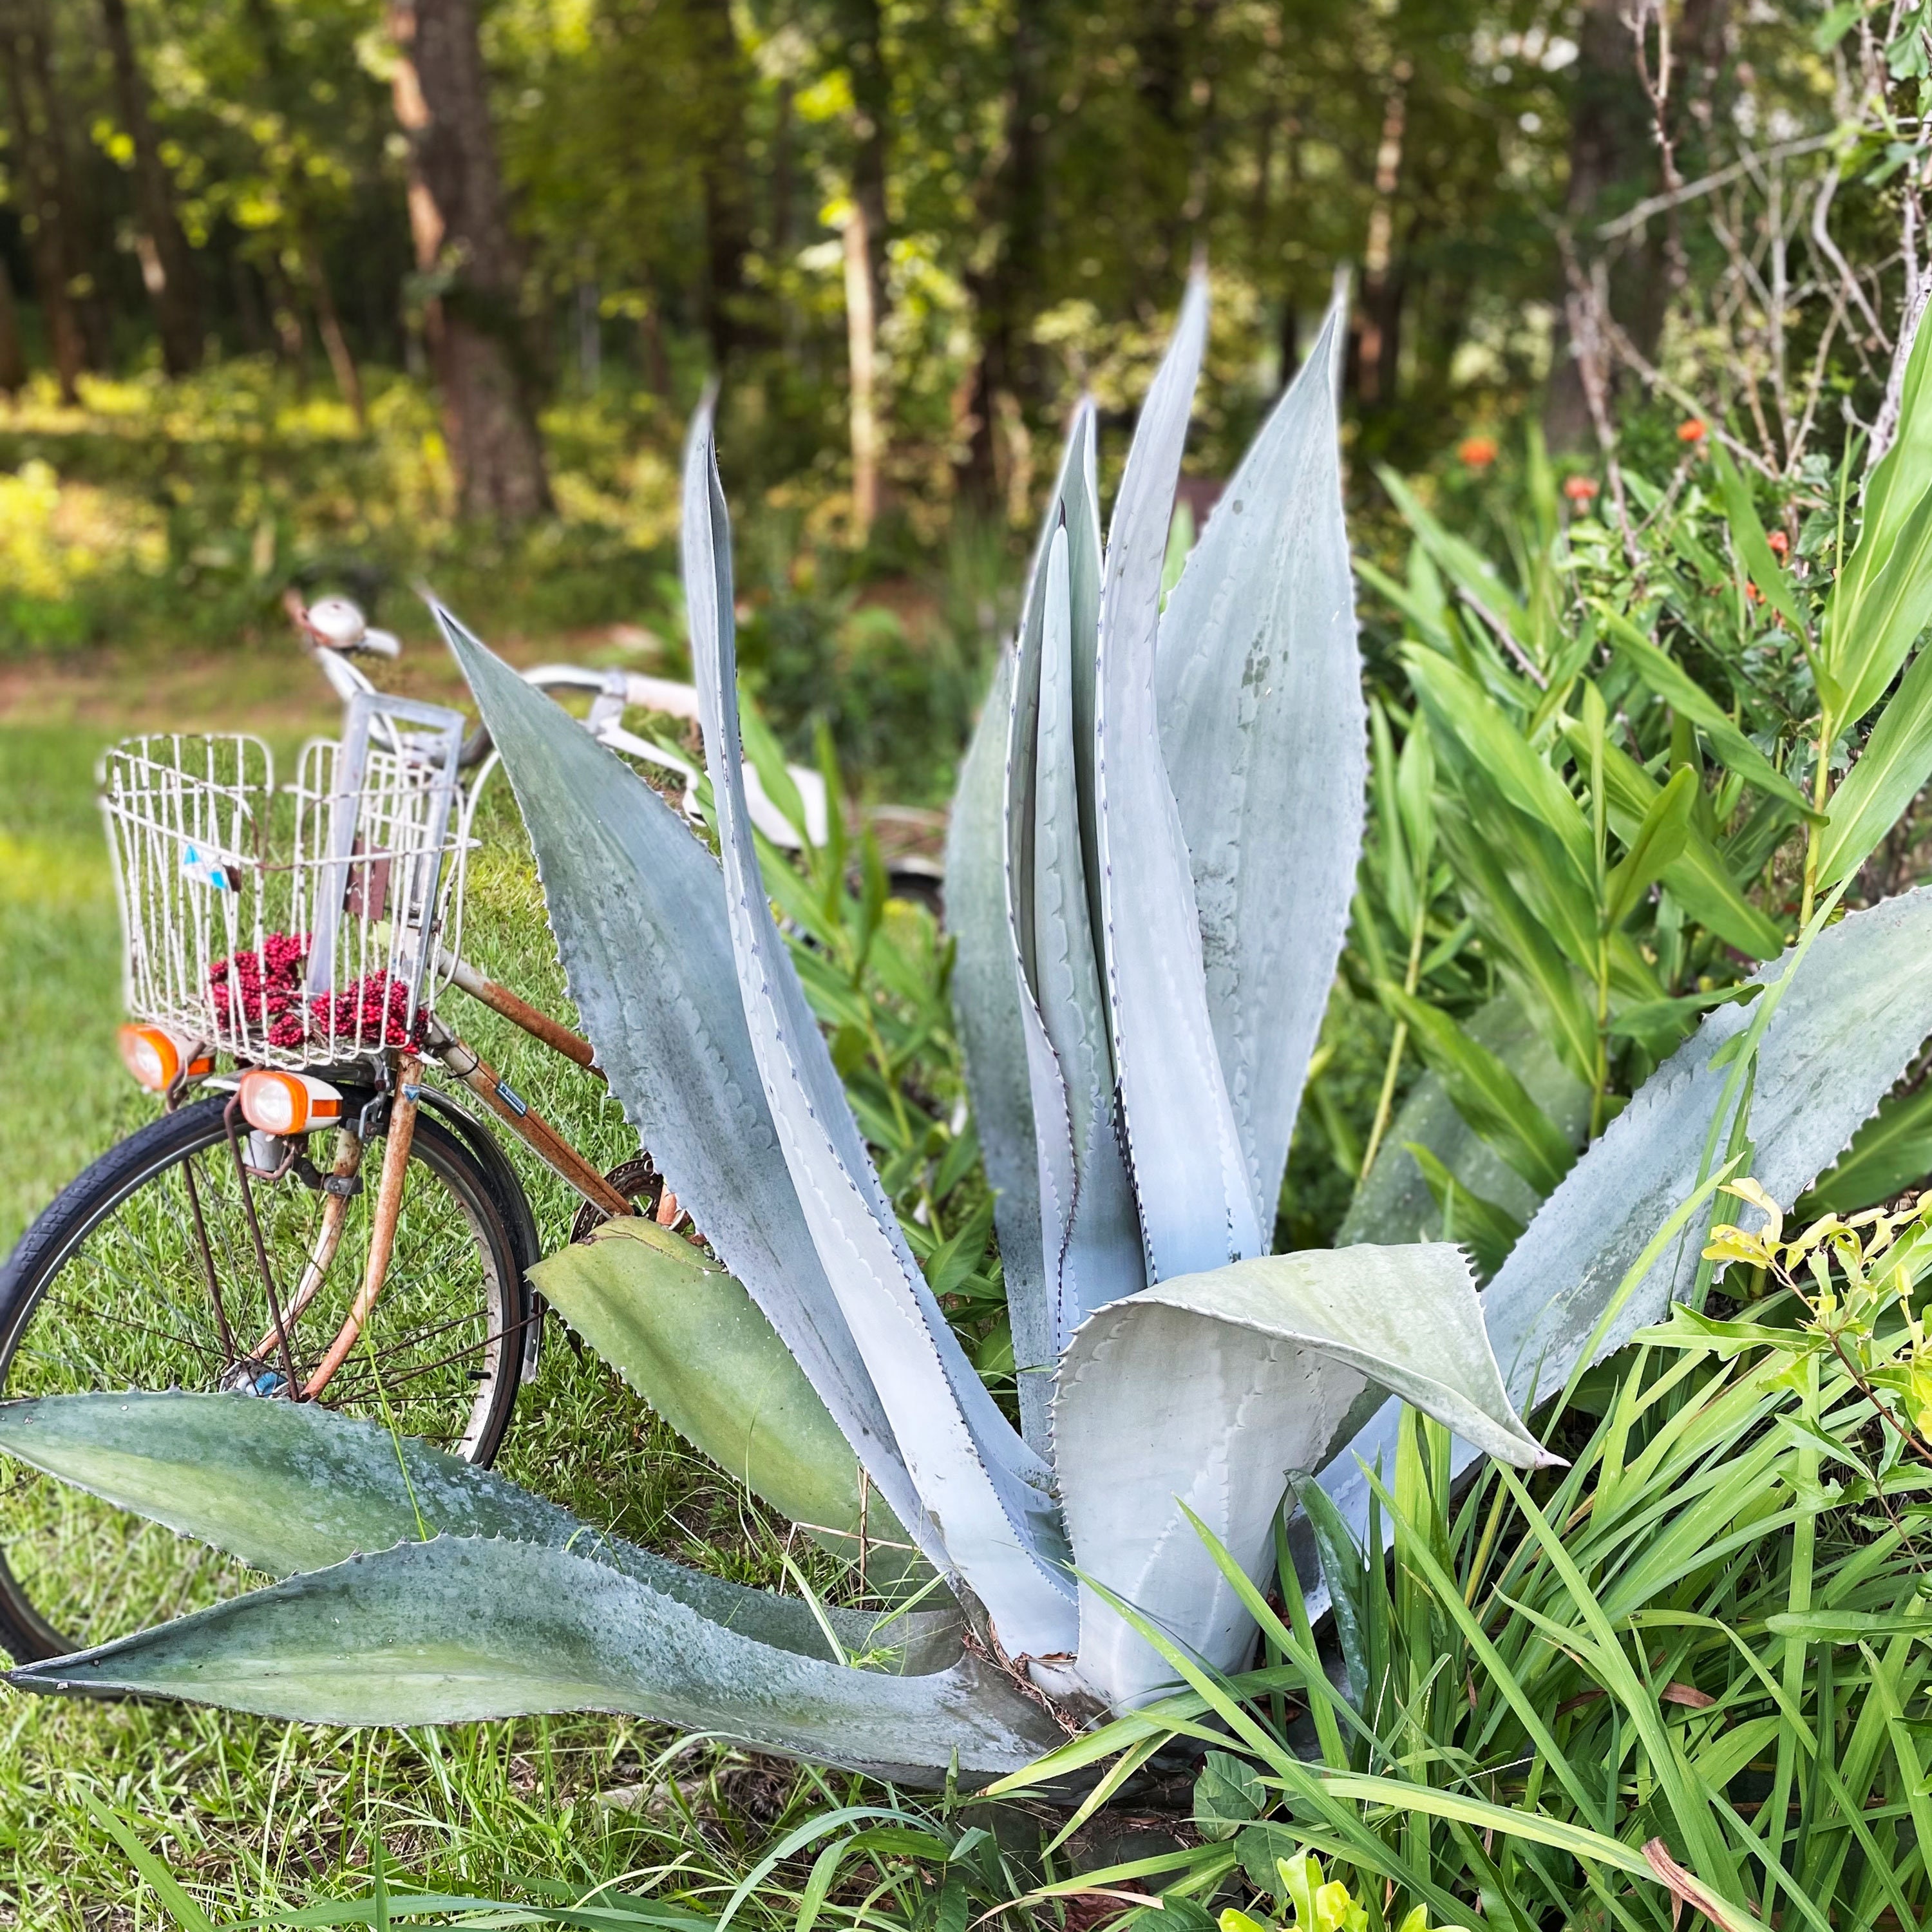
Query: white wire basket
{"points": [[294, 929]]}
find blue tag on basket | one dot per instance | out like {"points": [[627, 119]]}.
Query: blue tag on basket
{"points": [[207, 868]]}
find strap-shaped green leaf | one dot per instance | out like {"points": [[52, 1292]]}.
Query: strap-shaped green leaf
{"points": [[1754, 549], [973, 1473], [1536, 971], [1200, 1394], [1883, 596], [637, 906], [1698, 877], [1464, 715], [1667, 680], [464, 1628], [1198, 1198], [1465, 566], [1469, 1219], [1655, 845], [1486, 1094], [687, 1338], [1895, 764], [1259, 683], [1395, 1204], [986, 999], [289, 1487]]}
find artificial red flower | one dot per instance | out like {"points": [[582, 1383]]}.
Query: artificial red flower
{"points": [[1477, 451], [1779, 543], [1580, 490], [1692, 431]]}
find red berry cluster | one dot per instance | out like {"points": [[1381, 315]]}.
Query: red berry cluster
{"points": [[266, 987], [266, 984], [373, 1008]]}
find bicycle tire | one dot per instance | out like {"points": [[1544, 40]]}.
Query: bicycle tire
{"points": [[194, 1139]]}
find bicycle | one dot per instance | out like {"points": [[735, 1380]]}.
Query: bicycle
{"points": [[285, 950]]}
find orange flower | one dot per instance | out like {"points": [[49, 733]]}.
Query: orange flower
{"points": [[1477, 451], [1580, 490], [1779, 543], [1692, 431]]}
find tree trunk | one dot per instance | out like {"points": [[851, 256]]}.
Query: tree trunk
{"points": [[328, 326], [1378, 314], [726, 174], [167, 263], [863, 30], [13, 359], [861, 329], [45, 215], [1014, 209], [477, 344], [1612, 147]]}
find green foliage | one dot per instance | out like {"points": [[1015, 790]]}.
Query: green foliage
{"points": [[1609, 748], [1697, 1641]]}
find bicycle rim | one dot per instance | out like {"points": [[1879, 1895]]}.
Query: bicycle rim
{"points": [[122, 1298]]}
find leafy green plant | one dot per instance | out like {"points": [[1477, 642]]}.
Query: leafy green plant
{"points": [[1317, 1903], [1675, 1663], [1153, 857], [1613, 742]]}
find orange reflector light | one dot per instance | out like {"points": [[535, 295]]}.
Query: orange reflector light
{"points": [[273, 1103], [157, 1058]]}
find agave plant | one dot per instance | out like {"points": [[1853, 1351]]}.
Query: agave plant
{"points": [[1152, 858]]}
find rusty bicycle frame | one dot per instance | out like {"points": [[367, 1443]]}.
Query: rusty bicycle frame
{"points": [[403, 1067]]}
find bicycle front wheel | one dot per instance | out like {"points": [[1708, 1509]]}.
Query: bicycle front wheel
{"points": [[144, 1274]]}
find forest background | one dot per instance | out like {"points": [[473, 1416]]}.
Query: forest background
{"points": [[321, 291]]}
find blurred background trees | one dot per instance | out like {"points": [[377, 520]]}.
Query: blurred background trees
{"points": [[460, 267]]}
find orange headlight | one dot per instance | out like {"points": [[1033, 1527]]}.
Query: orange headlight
{"points": [[157, 1058], [274, 1103]]}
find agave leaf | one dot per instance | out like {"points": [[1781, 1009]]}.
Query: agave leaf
{"points": [[637, 906], [1198, 1196], [1263, 728], [1203, 1390], [1092, 1236], [1394, 1204], [687, 1338], [974, 1473], [462, 1628], [288, 1486], [1857, 1008], [986, 998]]}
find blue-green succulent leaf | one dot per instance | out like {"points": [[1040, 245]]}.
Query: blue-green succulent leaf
{"points": [[974, 1473], [288, 1486], [986, 1000], [638, 907], [689, 1339], [1198, 1203], [1857, 1009], [1264, 732], [1205, 1390], [1094, 1252], [461, 1628]]}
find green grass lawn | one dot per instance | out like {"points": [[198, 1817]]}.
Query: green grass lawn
{"points": [[259, 1816]]}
